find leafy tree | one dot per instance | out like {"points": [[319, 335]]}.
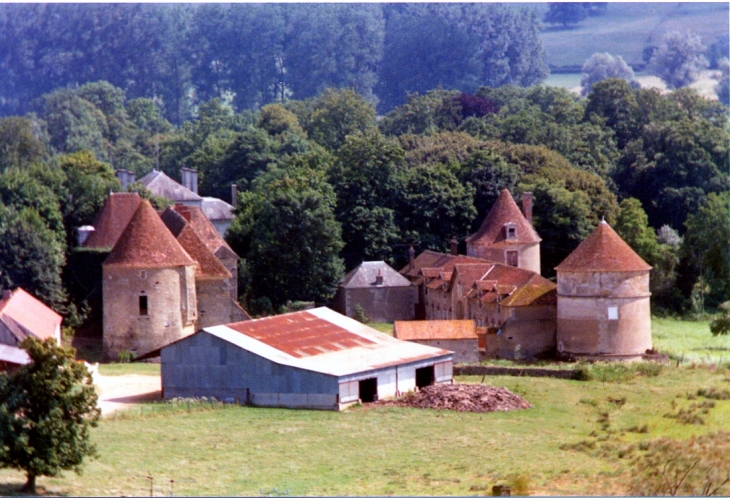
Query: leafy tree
{"points": [[22, 142], [436, 110], [601, 66], [614, 101], [277, 120], [705, 247], [287, 232], [678, 59], [720, 325], [46, 411], [337, 114], [31, 256], [723, 86], [565, 13]]}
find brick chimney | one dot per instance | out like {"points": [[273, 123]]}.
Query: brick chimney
{"points": [[190, 179], [6, 294], [527, 206], [411, 258], [379, 278], [454, 246], [234, 194]]}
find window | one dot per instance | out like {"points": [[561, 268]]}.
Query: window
{"points": [[510, 231], [613, 312], [513, 258], [143, 310], [143, 274]]}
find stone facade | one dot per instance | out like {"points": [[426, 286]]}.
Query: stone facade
{"points": [[145, 309], [215, 305]]}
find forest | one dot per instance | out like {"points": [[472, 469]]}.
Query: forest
{"points": [[338, 169]]}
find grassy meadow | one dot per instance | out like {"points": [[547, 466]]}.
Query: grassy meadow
{"points": [[578, 438]]}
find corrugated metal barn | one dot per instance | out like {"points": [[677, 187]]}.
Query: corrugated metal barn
{"points": [[308, 359]]}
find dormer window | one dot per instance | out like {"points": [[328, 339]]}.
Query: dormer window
{"points": [[510, 231]]}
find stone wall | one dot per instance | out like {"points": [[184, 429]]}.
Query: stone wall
{"points": [[168, 314], [465, 350], [529, 254], [382, 304], [215, 305]]}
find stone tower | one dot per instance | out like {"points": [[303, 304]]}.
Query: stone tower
{"points": [[506, 236], [148, 287], [603, 299]]}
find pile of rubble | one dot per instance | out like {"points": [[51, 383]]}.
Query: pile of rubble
{"points": [[462, 398]]}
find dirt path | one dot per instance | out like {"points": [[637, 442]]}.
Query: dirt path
{"points": [[117, 392]]}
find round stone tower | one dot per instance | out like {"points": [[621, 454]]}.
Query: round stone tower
{"points": [[603, 299], [148, 287]]}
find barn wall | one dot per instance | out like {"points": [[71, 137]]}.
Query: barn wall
{"points": [[204, 365], [169, 293], [383, 304], [465, 350]]}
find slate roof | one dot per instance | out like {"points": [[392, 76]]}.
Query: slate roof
{"points": [[206, 231], [492, 233], [113, 218], [424, 330], [147, 243], [603, 251], [24, 315], [364, 276], [162, 185], [216, 209]]}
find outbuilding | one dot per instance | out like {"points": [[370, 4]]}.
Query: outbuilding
{"points": [[459, 336], [316, 359]]}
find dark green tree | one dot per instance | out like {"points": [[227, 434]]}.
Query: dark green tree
{"points": [[47, 409], [565, 13], [287, 232], [337, 114], [22, 142], [614, 101]]}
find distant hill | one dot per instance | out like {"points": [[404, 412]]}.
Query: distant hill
{"points": [[626, 28]]}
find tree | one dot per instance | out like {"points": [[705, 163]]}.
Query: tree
{"points": [[723, 86], [22, 142], [614, 101], [720, 325], [337, 114], [565, 13], [46, 411], [287, 233], [601, 66], [679, 59]]}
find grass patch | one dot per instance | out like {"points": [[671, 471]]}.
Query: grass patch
{"points": [[129, 368], [689, 341], [384, 327], [210, 448]]}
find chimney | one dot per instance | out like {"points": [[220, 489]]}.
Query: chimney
{"points": [[6, 294], [123, 176], [82, 233], [411, 258], [193, 180], [454, 246], [185, 178], [527, 206], [379, 279], [234, 194], [183, 211]]}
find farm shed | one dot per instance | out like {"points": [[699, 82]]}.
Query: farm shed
{"points": [[307, 359], [460, 336], [22, 315], [383, 293]]}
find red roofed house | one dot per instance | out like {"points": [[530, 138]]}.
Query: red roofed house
{"points": [[506, 235], [459, 336], [604, 299], [22, 315], [148, 287]]}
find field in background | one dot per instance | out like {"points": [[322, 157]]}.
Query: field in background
{"points": [[689, 341], [230, 450], [626, 28]]}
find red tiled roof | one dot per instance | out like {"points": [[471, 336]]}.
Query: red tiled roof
{"points": [[434, 330], [208, 266], [504, 210], [470, 273], [113, 218], [300, 334], [205, 230], [147, 243], [23, 314], [603, 250]]}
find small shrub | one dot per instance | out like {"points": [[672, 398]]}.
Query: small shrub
{"points": [[639, 429], [582, 372], [125, 356], [712, 393], [586, 401], [649, 368], [360, 314], [519, 484], [617, 401]]}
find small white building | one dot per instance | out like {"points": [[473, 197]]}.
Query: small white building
{"points": [[307, 359]]}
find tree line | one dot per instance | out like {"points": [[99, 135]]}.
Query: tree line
{"points": [[325, 184], [250, 55]]}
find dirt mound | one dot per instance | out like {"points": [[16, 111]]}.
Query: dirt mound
{"points": [[462, 398]]}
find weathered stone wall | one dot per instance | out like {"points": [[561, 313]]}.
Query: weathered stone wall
{"points": [[383, 304], [168, 315], [438, 304], [465, 350], [232, 266], [604, 313], [525, 331], [529, 254], [215, 306]]}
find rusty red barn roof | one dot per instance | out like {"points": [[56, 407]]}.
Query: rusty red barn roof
{"points": [[300, 334], [504, 210], [603, 250], [113, 218], [147, 243]]}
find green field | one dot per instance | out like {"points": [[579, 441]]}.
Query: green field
{"points": [[214, 449], [626, 28]]}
